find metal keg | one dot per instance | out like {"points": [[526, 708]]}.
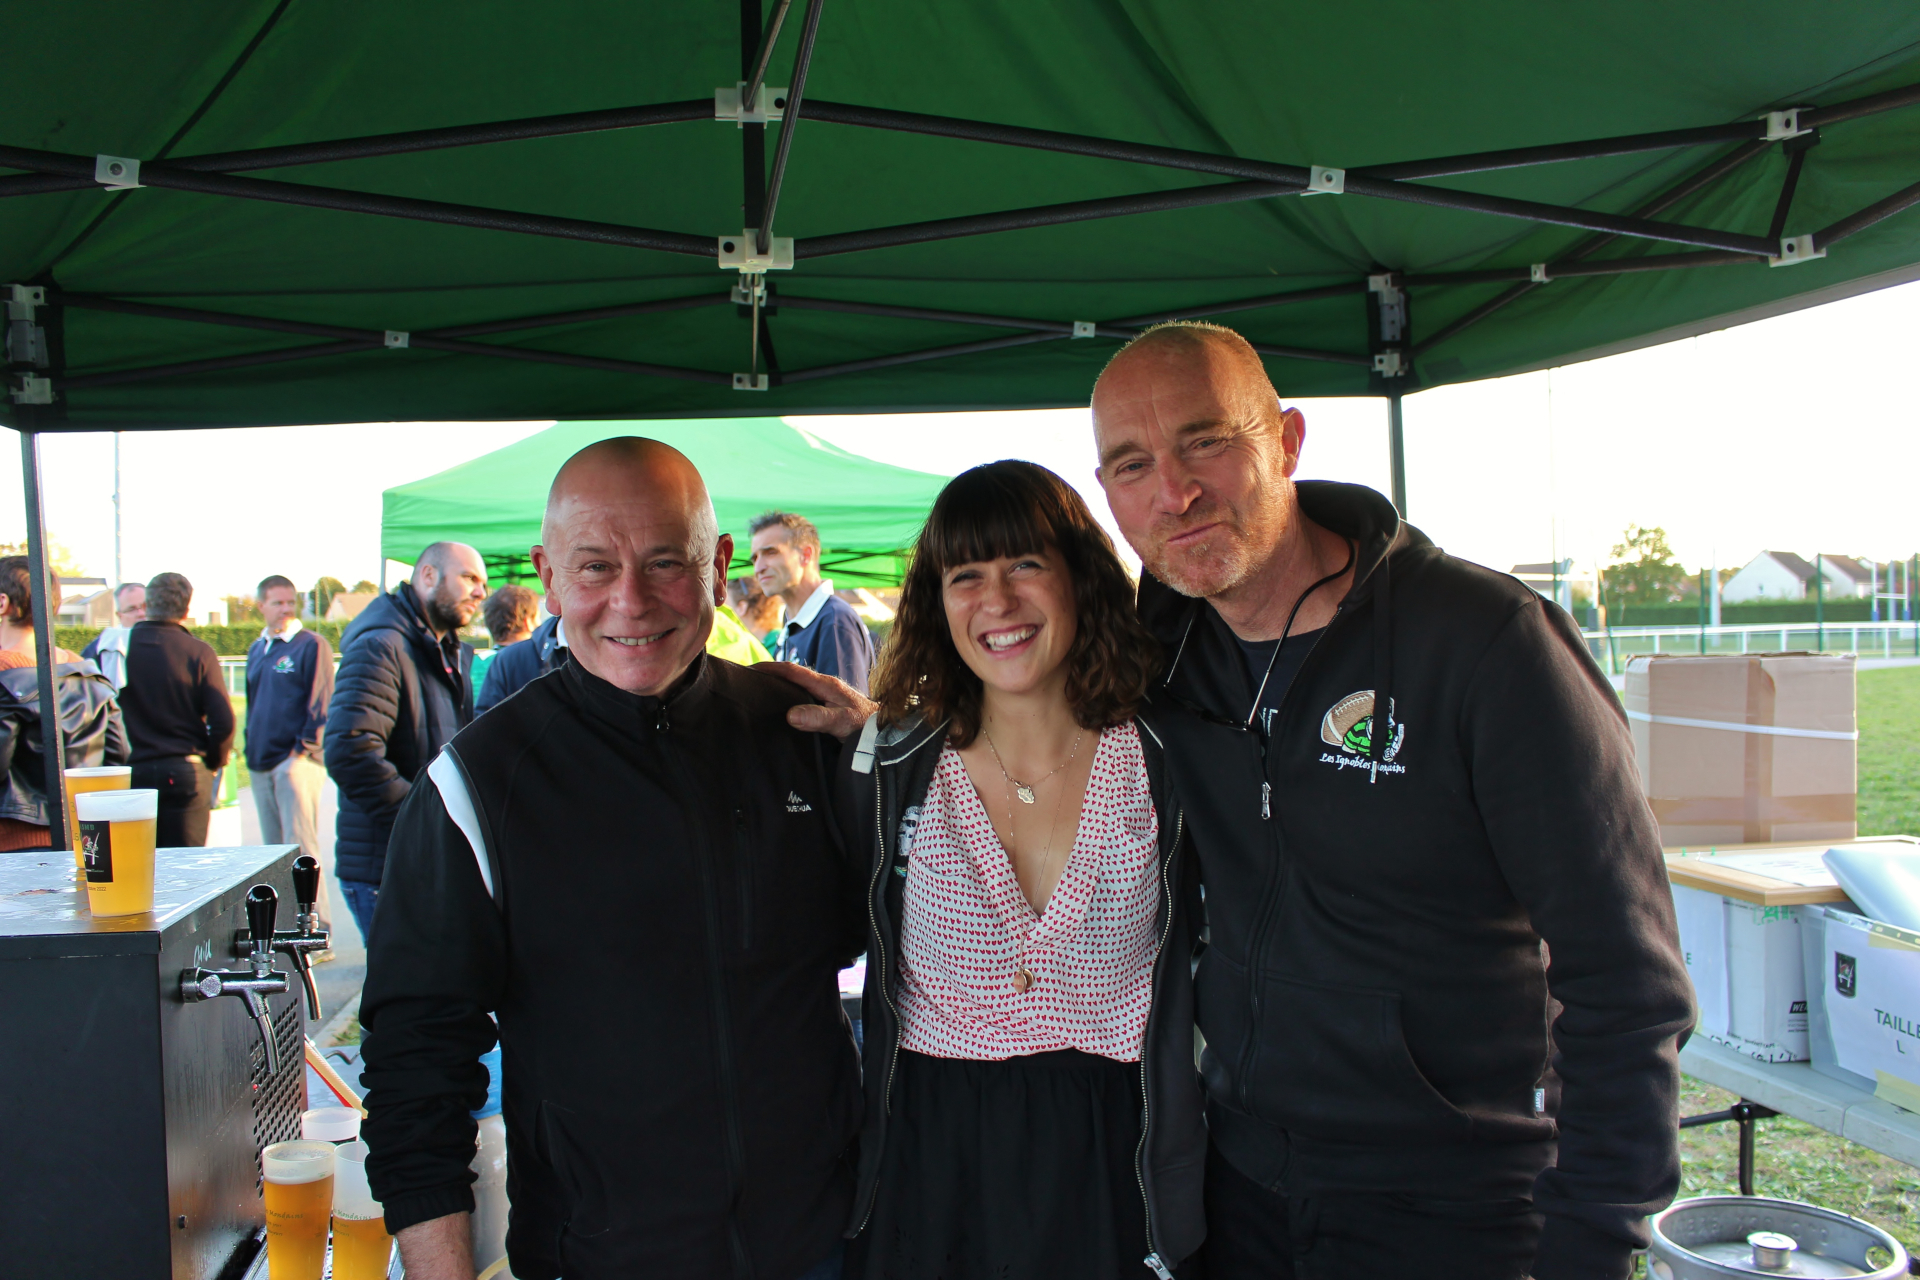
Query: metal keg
{"points": [[1715, 1236]]}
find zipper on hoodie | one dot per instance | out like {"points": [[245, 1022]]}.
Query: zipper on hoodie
{"points": [[880, 970], [1270, 900], [723, 1038], [1153, 1259]]}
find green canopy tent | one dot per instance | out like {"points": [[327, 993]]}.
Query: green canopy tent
{"points": [[271, 212], [249, 212], [867, 512]]}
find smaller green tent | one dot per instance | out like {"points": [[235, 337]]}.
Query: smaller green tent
{"points": [[867, 512]]}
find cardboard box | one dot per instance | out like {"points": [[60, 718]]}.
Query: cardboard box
{"points": [[1749, 976], [1746, 749], [1863, 980]]}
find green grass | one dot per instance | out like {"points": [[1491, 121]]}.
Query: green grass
{"points": [[1889, 718]]}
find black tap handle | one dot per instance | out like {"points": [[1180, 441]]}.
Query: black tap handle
{"points": [[306, 882], [263, 904]]}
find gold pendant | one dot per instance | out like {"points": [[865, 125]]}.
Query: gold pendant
{"points": [[1022, 980], [1025, 793]]}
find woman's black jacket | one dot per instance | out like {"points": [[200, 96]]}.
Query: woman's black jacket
{"points": [[889, 770], [92, 733]]}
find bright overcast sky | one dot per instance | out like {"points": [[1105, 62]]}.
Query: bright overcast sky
{"points": [[1797, 433]]}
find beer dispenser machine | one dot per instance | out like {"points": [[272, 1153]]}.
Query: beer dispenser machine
{"points": [[145, 1060]]}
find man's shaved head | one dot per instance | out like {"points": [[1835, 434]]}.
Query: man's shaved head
{"points": [[665, 471], [1196, 456], [450, 581], [1234, 365], [633, 561]]}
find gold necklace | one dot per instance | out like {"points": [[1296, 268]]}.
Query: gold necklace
{"points": [[1025, 789], [1023, 976]]}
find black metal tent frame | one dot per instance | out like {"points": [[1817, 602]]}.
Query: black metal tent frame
{"points": [[35, 348]]}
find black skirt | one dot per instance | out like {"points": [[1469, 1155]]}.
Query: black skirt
{"points": [[1014, 1170]]}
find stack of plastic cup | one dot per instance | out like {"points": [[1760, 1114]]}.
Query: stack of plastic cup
{"points": [[330, 1124]]}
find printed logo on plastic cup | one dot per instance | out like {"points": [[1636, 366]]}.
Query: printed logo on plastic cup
{"points": [[96, 849]]}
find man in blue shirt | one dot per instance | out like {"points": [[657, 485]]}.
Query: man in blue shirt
{"points": [[289, 680], [822, 632]]}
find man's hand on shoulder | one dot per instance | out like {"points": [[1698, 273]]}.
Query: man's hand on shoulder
{"points": [[843, 710], [439, 1248]]}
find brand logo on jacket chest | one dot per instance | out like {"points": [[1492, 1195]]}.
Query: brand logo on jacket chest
{"points": [[1349, 726], [285, 665]]}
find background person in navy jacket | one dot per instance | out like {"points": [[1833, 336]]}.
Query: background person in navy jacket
{"points": [[402, 690], [822, 632], [289, 682]]}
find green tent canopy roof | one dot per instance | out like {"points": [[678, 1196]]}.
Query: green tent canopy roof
{"points": [[437, 211], [868, 512]]}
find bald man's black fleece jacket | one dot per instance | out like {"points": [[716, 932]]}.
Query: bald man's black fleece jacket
{"points": [[1442, 958], [656, 915]]}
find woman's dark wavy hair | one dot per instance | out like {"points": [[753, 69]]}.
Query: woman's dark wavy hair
{"points": [[1013, 508]]}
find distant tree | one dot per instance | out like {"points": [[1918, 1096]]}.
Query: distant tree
{"points": [[363, 587], [323, 593], [241, 610], [1643, 572], [64, 565]]}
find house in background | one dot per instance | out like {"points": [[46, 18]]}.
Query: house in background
{"points": [[346, 605], [1850, 576], [1541, 578], [1783, 575], [84, 602]]}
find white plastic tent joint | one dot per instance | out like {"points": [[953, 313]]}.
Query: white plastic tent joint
{"points": [[116, 173], [737, 253], [1796, 249], [768, 106]]}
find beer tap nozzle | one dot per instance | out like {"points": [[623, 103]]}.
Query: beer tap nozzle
{"points": [[254, 984], [308, 937]]}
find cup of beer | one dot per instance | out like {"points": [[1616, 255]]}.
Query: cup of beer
{"points": [[299, 1191], [106, 777], [116, 846], [361, 1246]]}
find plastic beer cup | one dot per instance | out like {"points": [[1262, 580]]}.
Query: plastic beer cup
{"points": [[361, 1246], [299, 1192], [106, 777], [116, 844]]}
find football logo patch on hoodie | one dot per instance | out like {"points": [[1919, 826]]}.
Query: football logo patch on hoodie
{"points": [[1348, 727]]}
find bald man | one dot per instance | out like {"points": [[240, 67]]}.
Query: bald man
{"points": [[631, 865], [402, 690], [1406, 781]]}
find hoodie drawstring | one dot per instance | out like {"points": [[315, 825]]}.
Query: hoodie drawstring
{"points": [[1380, 739]]}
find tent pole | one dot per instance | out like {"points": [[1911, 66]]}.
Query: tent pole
{"points": [[51, 745], [809, 31], [1397, 451]]}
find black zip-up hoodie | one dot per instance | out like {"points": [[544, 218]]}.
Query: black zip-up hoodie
{"points": [[888, 772], [1380, 1005], [659, 911]]}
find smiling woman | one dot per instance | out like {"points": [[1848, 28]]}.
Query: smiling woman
{"points": [[1002, 511], [1035, 915]]}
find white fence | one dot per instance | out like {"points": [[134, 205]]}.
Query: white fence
{"points": [[1614, 646]]}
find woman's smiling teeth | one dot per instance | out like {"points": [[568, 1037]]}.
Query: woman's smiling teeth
{"points": [[999, 640]]}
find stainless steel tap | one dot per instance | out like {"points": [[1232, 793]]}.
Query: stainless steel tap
{"points": [[306, 937], [254, 984]]}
